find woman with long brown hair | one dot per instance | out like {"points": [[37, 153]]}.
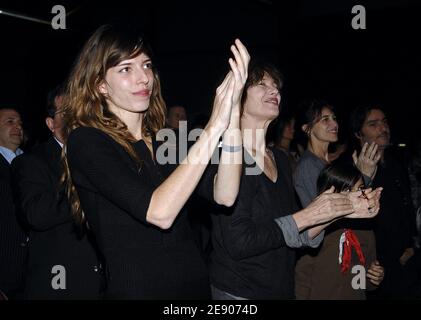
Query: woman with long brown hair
{"points": [[118, 183]]}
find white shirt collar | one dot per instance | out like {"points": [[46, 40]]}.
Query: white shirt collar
{"points": [[61, 144], [8, 154]]}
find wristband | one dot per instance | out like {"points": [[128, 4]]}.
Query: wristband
{"points": [[231, 148]]}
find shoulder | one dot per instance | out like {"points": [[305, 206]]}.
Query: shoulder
{"points": [[81, 133], [4, 165], [46, 151], [303, 164], [89, 137], [30, 158], [309, 162]]}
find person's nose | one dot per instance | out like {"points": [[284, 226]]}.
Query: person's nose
{"points": [[273, 91], [333, 122], [142, 76], [18, 125], [383, 127]]}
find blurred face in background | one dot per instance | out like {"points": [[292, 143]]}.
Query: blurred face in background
{"points": [[175, 115], [11, 132], [289, 130], [56, 123], [375, 129]]}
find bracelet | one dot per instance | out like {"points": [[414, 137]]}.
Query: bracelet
{"points": [[231, 148]]}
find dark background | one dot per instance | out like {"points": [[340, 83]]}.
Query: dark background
{"points": [[311, 41]]}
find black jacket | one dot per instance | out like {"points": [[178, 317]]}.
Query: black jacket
{"points": [[394, 226], [54, 239], [13, 248]]}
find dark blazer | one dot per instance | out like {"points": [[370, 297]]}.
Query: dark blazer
{"points": [[12, 239], [54, 239], [394, 226]]}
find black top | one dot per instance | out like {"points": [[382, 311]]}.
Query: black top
{"points": [[250, 257], [13, 249], [54, 240], [394, 226], [395, 223], [143, 261]]}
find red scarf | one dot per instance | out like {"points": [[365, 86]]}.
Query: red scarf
{"points": [[350, 241]]}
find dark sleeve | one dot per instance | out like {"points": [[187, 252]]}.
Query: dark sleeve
{"points": [[409, 208], [99, 165], [42, 205], [243, 232], [206, 183]]}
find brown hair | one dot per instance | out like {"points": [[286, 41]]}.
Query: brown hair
{"points": [[256, 72], [86, 106]]}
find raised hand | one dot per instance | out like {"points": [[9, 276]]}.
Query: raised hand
{"points": [[222, 104], [227, 100], [239, 67], [368, 158]]}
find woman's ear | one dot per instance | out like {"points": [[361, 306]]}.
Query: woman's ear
{"points": [[103, 88], [306, 128]]}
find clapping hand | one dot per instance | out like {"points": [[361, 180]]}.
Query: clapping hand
{"points": [[228, 94], [366, 203], [239, 68]]}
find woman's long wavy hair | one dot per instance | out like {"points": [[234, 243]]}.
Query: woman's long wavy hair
{"points": [[86, 106]]}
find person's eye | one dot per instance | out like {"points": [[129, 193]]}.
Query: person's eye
{"points": [[124, 70], [148, 65]]}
